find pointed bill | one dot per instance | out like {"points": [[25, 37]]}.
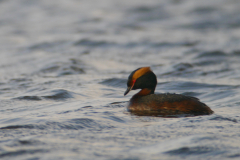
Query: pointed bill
{"points": [[128, 89]]}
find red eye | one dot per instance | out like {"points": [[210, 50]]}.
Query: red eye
{"points": [[134, 81]]}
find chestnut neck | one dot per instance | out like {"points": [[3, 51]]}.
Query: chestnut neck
{"points": [[145, 92]]}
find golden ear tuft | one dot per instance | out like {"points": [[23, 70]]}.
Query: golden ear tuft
{"points": [[141, 72]]}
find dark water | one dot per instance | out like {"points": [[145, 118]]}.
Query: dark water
{"points": [[64, 65]]}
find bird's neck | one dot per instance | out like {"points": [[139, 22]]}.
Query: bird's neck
{"points": [[145, 91]]}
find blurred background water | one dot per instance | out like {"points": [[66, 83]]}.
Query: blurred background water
{"points": [[64, 66]]}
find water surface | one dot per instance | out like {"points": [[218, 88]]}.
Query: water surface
{"points": [[64, 67]]}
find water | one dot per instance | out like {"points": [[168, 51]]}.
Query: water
{"points": [[64, 67]]}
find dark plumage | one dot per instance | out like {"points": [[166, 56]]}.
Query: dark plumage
{"points": [[147, 103]]}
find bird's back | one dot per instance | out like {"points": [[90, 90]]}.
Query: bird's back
{"points": [[167, 104]]}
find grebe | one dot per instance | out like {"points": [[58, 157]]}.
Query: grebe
{"points": [[146, 103]]}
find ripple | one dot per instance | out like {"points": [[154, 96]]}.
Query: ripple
{"points": [[208, 62], [29, 142], [73, 124], [19, 83], [29, 98], [116, 119], [236, 53], [81, 123], [183, 66], [145, 43], [57, 95], [182, 85], [117, 104], [147, 13], [115, 82], [203, 10], [221, 118], [17, 80], [234, 155], [191, 150], [93, 43], [72, 66], [181, 146], [213, 54], [22, 152], [180, 69], [158, 44], [18, 126], [48, 46]]}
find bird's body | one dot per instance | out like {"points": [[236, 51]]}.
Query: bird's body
{"points": [[167, 104], [147, 103]]}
